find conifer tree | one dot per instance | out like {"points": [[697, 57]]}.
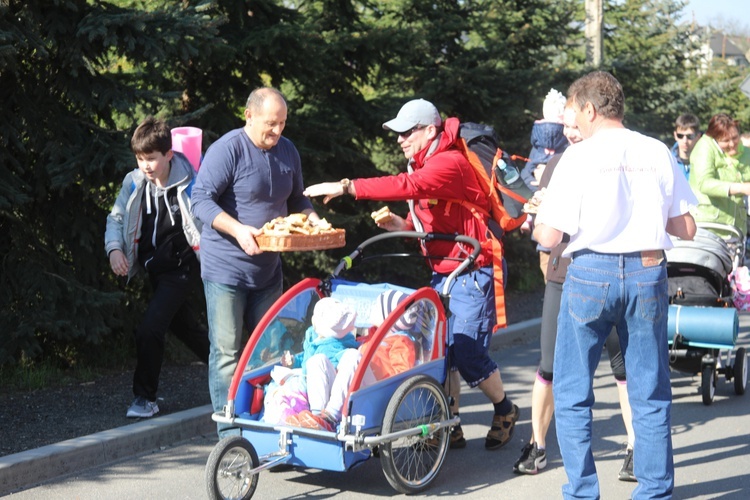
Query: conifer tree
{"points": [[73, 76], [646, 48]]}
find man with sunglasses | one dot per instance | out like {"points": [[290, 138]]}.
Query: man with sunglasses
{"points": [[439, 177], [686, 133]]}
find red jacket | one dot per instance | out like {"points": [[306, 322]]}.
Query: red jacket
{"points": [[443, 176]]}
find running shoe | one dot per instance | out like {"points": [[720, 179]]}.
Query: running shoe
{"points": [[532, 460], [142, 408]]}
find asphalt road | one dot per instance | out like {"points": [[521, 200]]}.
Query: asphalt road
{"points": [[711, 444]]}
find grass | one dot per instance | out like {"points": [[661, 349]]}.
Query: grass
{"points": [[30, 375], [64, 365]]}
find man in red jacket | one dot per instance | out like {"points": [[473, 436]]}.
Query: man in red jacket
{"points": [[439, 177]]}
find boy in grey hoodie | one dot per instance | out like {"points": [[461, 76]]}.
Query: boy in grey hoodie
{"points": [[151, 229]]}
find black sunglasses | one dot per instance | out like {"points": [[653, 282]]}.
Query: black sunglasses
{"points": [[682, 136], [408, 133]]}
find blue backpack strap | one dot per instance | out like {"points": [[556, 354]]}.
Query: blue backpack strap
{"points": [[189, 188]]}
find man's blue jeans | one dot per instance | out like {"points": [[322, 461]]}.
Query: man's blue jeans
{"points": [[628, 291], [229, 308]]}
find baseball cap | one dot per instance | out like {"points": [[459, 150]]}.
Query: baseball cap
{"points": [[413, 113], [332, 318]]}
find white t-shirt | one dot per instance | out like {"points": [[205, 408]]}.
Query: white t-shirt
{"points": [[613, 193]]}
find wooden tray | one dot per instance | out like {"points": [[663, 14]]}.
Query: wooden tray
{"points": [[302, 242]]}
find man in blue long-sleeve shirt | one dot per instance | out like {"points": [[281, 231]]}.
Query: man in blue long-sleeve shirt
{"points": [[248, 177]]}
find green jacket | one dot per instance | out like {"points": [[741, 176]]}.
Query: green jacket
{"points": [[711, 173]]}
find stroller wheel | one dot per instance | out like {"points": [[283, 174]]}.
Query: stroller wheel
{"points": [[708, 384], [411, 463], [740, 371], [228, 469]]}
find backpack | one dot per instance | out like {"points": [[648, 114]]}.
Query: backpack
{"points": [[501, 182], [497, 174]]}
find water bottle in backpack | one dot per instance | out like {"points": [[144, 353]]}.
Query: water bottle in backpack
{"points": [[507, 174]]}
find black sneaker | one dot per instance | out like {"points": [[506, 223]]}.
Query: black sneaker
{"points": [[626, 471], [532, 460], [524, 455]]}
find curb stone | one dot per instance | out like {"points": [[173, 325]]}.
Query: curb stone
{"points": [[29, 468]]}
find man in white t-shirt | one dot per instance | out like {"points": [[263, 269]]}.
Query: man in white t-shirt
{"points": [[618, 220]]}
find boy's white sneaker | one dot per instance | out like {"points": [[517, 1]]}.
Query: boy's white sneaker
{"points": [[142, 408]]}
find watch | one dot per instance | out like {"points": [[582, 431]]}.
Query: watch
{"points": [[345, 183]]}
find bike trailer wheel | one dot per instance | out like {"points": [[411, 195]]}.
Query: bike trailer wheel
{"points": [[411, 463], [228, 470]]}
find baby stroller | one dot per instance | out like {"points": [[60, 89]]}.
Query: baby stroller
{"points": [[403, 419], [703, 323]]}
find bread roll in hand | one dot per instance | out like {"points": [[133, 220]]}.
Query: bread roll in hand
{"points": [[381, 216]]}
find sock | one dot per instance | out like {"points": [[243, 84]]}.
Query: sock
{"points": [[503, 407]]}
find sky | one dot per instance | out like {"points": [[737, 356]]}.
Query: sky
{"points": [[728, 11]]}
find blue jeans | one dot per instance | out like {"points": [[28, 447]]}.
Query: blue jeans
{"points": [[627, 292], [230, 308]]}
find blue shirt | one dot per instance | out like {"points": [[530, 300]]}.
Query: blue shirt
{"points": [[684, 166], [254, 186]]}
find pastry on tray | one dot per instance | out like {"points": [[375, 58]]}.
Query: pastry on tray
{"points": [[297, 232]]}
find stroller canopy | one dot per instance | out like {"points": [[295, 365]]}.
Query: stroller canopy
{"points": [[706, 250]]}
